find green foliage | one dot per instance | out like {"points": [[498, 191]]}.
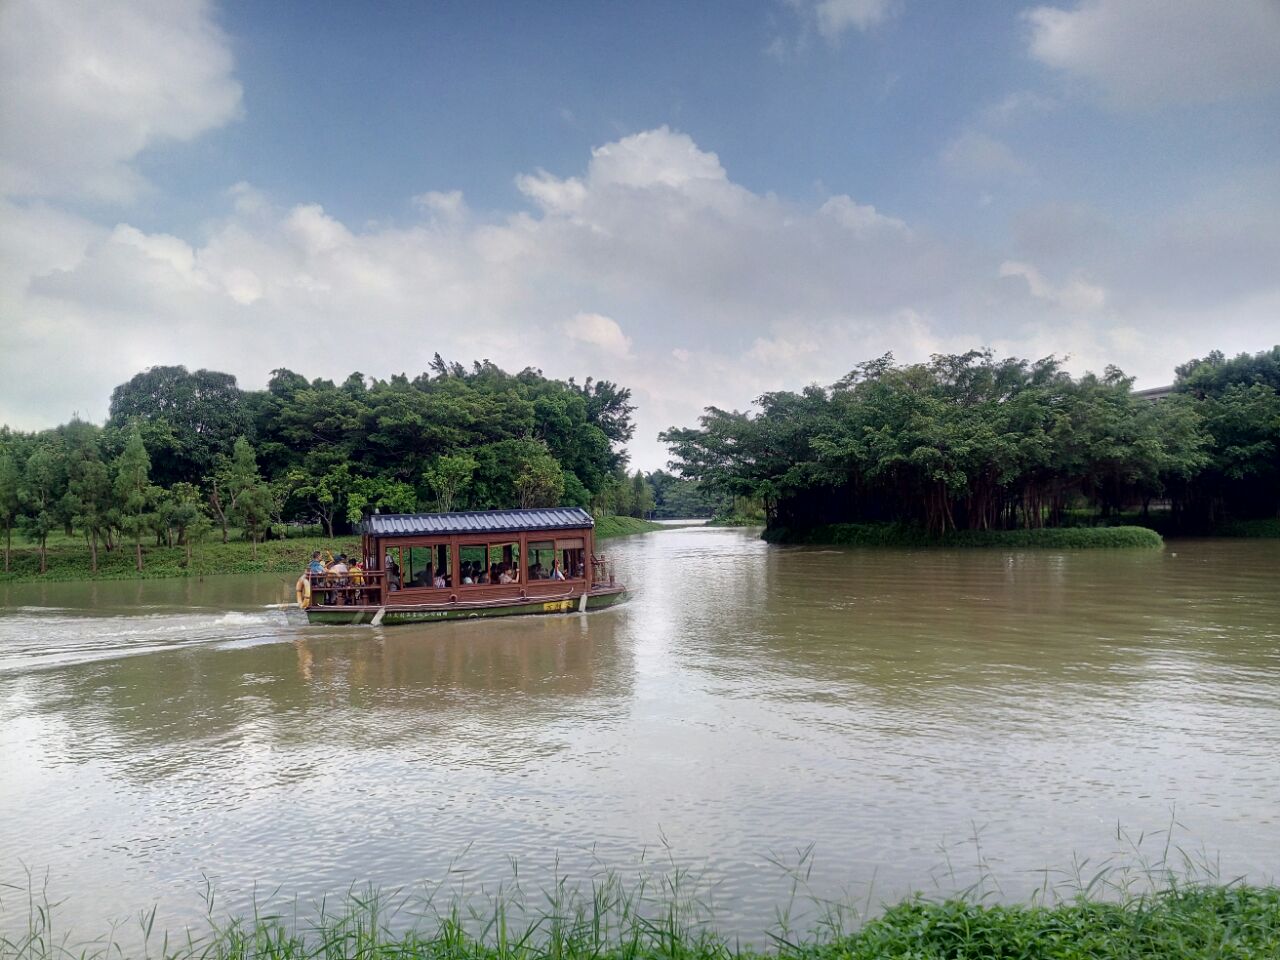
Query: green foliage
{"points": [[448, 476], [253, 503], [970, 443], [10, 500], [910, 535], [614, 922], [676, 498], [193, 417], [615, 526], [134, 491], [1266, 527]]}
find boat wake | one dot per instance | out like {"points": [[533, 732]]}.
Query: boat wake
{"points": [[41, 638]]}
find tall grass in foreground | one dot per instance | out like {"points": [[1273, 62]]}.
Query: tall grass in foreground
{"points": [[1107, 912]]}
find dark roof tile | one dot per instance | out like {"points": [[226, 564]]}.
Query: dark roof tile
{"points": [[476, 521]]}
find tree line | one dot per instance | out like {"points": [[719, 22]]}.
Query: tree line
{"points": [[971, 442], [183, 455]]}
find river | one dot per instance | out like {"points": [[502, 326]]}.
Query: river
{"points": [[858, 715]]}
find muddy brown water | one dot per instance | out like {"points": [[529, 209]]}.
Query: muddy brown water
{"points": [[858, 713]]}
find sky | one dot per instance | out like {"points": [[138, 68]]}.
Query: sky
{"points": [[702, 202]]}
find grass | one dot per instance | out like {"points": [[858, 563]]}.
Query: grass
{"points": [[902, 535], [607, 527], [1167, 524], [609, 921], [1268, 527], [68, 557], [736, 520]]}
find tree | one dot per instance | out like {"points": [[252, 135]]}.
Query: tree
{"points": [[539, 481], [379, 493], [10, 501], [184, 514], [92, 503], [326, 494], [193, 417], [253, 502], [448, 476], [40, 494], [134, 491]]}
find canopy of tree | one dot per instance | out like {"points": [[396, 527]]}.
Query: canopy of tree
{"points": [[182, 452], [971, 442]]}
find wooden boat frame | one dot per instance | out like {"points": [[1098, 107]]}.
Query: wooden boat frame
{"points": [[520, 537]]}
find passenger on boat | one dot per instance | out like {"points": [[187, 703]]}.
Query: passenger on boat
{"points": [[556, 572], [315, 566], [393, 574], [535, 572], [507, 577], [440, 581], [337, 578], [357, 581]]}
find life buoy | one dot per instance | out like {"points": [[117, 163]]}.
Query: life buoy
{"points": [[302, 589]]}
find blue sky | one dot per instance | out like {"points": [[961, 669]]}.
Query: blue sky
{"points": [[702, 201]]}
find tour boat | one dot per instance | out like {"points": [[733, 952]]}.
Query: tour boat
{"points": [[419, 567]]}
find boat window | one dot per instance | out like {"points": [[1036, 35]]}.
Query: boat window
{"points": [[572, 555], [427, 566], [473, 561], [541, 555], [394, 568], [504, 563]]}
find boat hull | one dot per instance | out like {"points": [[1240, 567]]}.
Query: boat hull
{"points": [[393, 616]]}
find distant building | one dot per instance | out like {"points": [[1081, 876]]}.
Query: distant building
{"points": [[1154, 393]]}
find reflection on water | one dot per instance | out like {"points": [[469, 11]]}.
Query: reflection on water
{"points": [[749, 701]]}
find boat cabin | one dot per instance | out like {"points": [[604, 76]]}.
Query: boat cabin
{"points": [[472, 560]]}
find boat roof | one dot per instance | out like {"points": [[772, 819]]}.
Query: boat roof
{"points": [[476, 521]]}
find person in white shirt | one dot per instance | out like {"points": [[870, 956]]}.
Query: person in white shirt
{"points": [[556, 572]]}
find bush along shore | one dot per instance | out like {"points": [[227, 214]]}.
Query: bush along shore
{"points": [[1178, 923], [70, 559], [905, 535]]}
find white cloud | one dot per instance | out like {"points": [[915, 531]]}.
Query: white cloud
{"points": [[862, 218], [89, 86], [1013, 106], [1076, 295], [599, 331], [447, 207], [980, 156], [1148, 52], [748, 291], [836, 16]]}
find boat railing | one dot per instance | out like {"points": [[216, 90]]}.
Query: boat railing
{"points": [[358, 588], [602, 574]]}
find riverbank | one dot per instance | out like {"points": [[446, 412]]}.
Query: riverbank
{"points": [[609, 527], [70, 559], [902, 535], [1187, 923]]}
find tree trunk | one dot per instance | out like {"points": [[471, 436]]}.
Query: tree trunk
{"points": [[138, 544], [254, 540], [8, 546], [43, 556], [93, 550], [188, 539], [215, 502]]}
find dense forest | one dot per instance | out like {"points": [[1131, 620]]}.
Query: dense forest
{"points": [[185, 455], [971, 442]]}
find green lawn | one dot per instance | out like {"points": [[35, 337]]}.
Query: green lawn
{"points": [[69, 556]]}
